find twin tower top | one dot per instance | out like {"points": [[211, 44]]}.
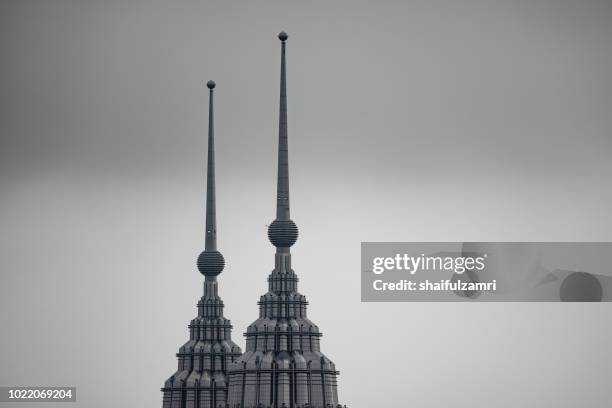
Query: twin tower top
{"points": [[282, 365]]}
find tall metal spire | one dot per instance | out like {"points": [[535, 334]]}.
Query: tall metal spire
{"points": [[283, 365], [211, 262], [282, 196], [211, 210], [201, 376], [283, 232]]}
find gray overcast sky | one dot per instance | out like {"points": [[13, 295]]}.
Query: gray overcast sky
{"points": [[412, 120]]}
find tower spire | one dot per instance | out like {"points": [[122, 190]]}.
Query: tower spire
{"points": [[211, 206], [282, 196], [211, 262], [283, 365], [283, 232], [201, 377]]}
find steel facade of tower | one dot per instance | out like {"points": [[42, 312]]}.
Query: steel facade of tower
{"points": [[201, 378], [282, 365]]}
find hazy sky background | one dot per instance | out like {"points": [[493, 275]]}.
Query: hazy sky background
{"points": [[413, 120]]}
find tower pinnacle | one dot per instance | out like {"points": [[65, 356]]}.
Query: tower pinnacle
{"points": [[211, 262], [283, 366], [201, 377], [283, 232]]}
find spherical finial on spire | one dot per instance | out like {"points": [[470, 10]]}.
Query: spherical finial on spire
{"points": [[283, 233], [211, 263], [283, 36], [211, 84]]}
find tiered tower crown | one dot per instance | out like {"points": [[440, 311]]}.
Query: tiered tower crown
{"points": [[282, 366], [201, 378]]}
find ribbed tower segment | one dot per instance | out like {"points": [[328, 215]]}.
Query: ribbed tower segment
{"points": [[201, 378], [283, 365]]}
